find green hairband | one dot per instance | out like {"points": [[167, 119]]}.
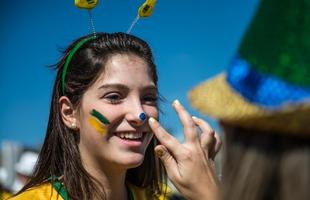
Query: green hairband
{"points": [[69, 58]]}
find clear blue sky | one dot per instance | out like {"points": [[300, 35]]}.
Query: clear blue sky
{"points": [[192, 40]]}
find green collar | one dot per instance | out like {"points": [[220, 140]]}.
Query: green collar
{"points": [[129, 193], [59, 187]]}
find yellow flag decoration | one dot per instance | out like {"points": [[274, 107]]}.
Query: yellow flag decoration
{"points": [[86, 4], [147, 8]]}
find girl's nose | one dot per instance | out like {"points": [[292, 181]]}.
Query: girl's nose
{"points": [[136, 115]]}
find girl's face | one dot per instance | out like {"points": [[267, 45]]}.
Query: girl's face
{"points": [[121, 93]]}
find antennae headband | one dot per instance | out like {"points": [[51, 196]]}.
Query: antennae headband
{"points": [[69, 58]]}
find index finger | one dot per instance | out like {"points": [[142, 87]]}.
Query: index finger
{"points": [[170, 142], [189, 126]]}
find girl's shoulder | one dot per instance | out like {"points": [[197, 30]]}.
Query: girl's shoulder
{"points": [[44, 191]]}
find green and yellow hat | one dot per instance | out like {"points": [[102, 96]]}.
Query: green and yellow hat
{"points": [[267, 84]]}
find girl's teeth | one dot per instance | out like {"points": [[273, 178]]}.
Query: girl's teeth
{"points": [[129, 135]]}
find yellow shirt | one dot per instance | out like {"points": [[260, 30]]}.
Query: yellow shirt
{"points": [[5, 195], [42, 192], [47, 192], [141, 194]]}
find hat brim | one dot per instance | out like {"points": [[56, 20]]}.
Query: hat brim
{"points": [[217, 99]]}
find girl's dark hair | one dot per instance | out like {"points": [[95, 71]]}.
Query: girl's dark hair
{"points": [[60, 154], [265, 165]]}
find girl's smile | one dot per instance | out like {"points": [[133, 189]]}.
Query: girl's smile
{"points": [[131, 138]]}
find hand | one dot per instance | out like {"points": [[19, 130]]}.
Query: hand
{"points": [[189, 165]]}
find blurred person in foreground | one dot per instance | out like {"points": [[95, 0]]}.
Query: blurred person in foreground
{"points": [[262, 102]]}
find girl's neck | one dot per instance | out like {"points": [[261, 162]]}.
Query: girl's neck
{"points": [[112, 180], [114, 186]]}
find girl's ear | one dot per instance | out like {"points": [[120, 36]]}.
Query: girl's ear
{"points": [[68, 113]]}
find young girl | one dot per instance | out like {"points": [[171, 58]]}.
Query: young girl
{"points": [[99, 142]]}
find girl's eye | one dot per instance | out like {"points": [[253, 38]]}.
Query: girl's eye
{"points": [[113, 98], [151, 99]]}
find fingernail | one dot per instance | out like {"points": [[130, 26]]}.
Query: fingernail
{"points": [[159, 152], [194, 117], [176, 102], [152, 120]]}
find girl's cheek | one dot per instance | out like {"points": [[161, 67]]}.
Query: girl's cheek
{"points": [[151, 112], [154, 113]]}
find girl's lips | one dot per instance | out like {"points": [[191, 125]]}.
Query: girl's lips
{"points": [[131, 143]]}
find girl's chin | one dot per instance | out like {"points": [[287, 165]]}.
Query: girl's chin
{"points": [[134, 165], [132, 161]]}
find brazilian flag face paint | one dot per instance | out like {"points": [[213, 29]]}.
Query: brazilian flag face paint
{"points": [[99, 122]]}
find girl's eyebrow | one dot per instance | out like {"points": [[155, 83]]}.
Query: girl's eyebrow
{"points": [[125, 87], [116, 86], [151, 88]]}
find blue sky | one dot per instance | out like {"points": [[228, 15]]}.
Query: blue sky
{"points": [[192, 40]]}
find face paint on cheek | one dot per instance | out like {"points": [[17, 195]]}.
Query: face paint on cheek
{"points": [[99, 122]]}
